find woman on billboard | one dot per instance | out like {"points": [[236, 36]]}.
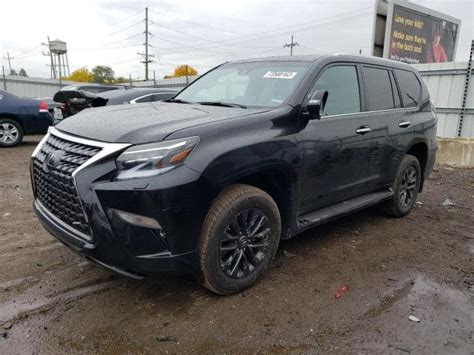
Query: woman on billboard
{"points": [[437, 53]]}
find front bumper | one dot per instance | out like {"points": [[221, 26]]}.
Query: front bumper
{"points": [[122, 262]]}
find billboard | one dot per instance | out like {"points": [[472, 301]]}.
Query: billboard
{"points": [[414, 34]]}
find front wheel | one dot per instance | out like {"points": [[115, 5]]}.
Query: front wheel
{"points": [[239, 239], [405, 187], [11, 133]]}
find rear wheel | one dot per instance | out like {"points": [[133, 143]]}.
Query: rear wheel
{"points": [[11, 133], [405, 187], [239, 239]]}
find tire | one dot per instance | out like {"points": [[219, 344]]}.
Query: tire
{"points": [[11, 133], [405, 187], [239, 239]]}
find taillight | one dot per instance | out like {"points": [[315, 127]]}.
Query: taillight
{"points": [[43, 106]]}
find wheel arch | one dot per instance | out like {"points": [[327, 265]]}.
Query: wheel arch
{"points": [[280, 182], [419, 149], [14, 118]]}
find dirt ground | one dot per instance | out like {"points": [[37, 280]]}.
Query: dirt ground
{"points": [[52, 301]]}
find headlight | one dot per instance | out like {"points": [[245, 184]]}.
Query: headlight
{"points": [[152, 159]]}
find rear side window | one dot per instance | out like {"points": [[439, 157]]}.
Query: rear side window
{"points": [[378, 88], [342, 85], [410, 87], [163, 96], [92, 89], [147, 98]]}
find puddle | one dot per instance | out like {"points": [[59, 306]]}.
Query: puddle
{"points": [[13, 309], [446, 319], [15, 282]]}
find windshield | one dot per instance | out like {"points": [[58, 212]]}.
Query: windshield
{"points": [[261, 84]]}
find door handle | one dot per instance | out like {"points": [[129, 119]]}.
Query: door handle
{"points": [[363, 130], [404, 124]]}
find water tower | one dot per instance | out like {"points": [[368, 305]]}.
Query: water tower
{"points": [[59, 59]]}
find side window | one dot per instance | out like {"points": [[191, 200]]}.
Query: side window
{"points": [[147, 98], [163, 96], [342, 85], [378, 89], [409, 86], [92, 89]]}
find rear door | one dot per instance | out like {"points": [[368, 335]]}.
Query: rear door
{"points": [[390, 124], [335, 150]]}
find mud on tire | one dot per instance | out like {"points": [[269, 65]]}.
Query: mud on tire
{"points": [[239, 239], [405, 187]]}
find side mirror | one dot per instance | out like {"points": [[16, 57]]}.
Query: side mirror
{"points": [[316, 104]]}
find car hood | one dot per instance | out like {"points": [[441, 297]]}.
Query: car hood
{"points": [[144, 123]]}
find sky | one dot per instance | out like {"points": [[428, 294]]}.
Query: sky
{"points": [[200, 33]]}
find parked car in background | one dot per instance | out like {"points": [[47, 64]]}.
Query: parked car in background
{"points": [[137, 95], [74, 101], [20, 116], [93, 88], [253, 152], [50, 103]]}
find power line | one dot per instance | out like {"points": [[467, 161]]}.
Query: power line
{"points": [[202, 38], [125, 28], [125, 39], [294, 28], [126, 18], [266, 34], [194, 23], [105, 48], [22, 54], [201, 49]]}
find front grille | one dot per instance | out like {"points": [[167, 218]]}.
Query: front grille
{"points": [[54, 184]]}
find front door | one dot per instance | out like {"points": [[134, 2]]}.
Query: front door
{"points": [[336, 148]]}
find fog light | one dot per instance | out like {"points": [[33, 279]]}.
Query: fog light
{"points": [[138, 220]]}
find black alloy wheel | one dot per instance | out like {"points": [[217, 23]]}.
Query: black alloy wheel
{"points": [[245, 244]]}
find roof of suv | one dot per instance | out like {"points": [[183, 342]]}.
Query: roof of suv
{"points": [[341, 57]]}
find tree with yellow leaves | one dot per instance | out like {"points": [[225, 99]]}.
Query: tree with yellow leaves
{"points": [[81, 75], [183, 70]]}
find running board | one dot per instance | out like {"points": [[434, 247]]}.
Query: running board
{"points": [[326, 214]]}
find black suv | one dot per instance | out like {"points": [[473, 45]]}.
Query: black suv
{"points": [[252, 152]]}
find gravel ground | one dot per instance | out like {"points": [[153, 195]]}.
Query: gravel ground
{"points": [[52, 301]]}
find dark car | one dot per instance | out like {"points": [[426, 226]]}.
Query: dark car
{"points": [[137, 95], [20, 116], [93, 88], [74, 101], [252, 152]]}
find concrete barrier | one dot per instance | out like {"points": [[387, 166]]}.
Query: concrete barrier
{"points": [[456, 152]]}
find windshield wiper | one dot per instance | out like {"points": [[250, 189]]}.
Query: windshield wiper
{"points": [[178, 101], [223, 104]]}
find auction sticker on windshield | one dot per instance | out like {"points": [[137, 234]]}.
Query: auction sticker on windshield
{"points": [[280, 74]]}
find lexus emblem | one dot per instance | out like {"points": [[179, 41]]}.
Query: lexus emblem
{"points": [[52, 160]]}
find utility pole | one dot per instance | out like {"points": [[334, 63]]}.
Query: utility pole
{"points": [[146, 43], [146, 56], [9, 62], [291, 45], [4, 79], [53, 68]]}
